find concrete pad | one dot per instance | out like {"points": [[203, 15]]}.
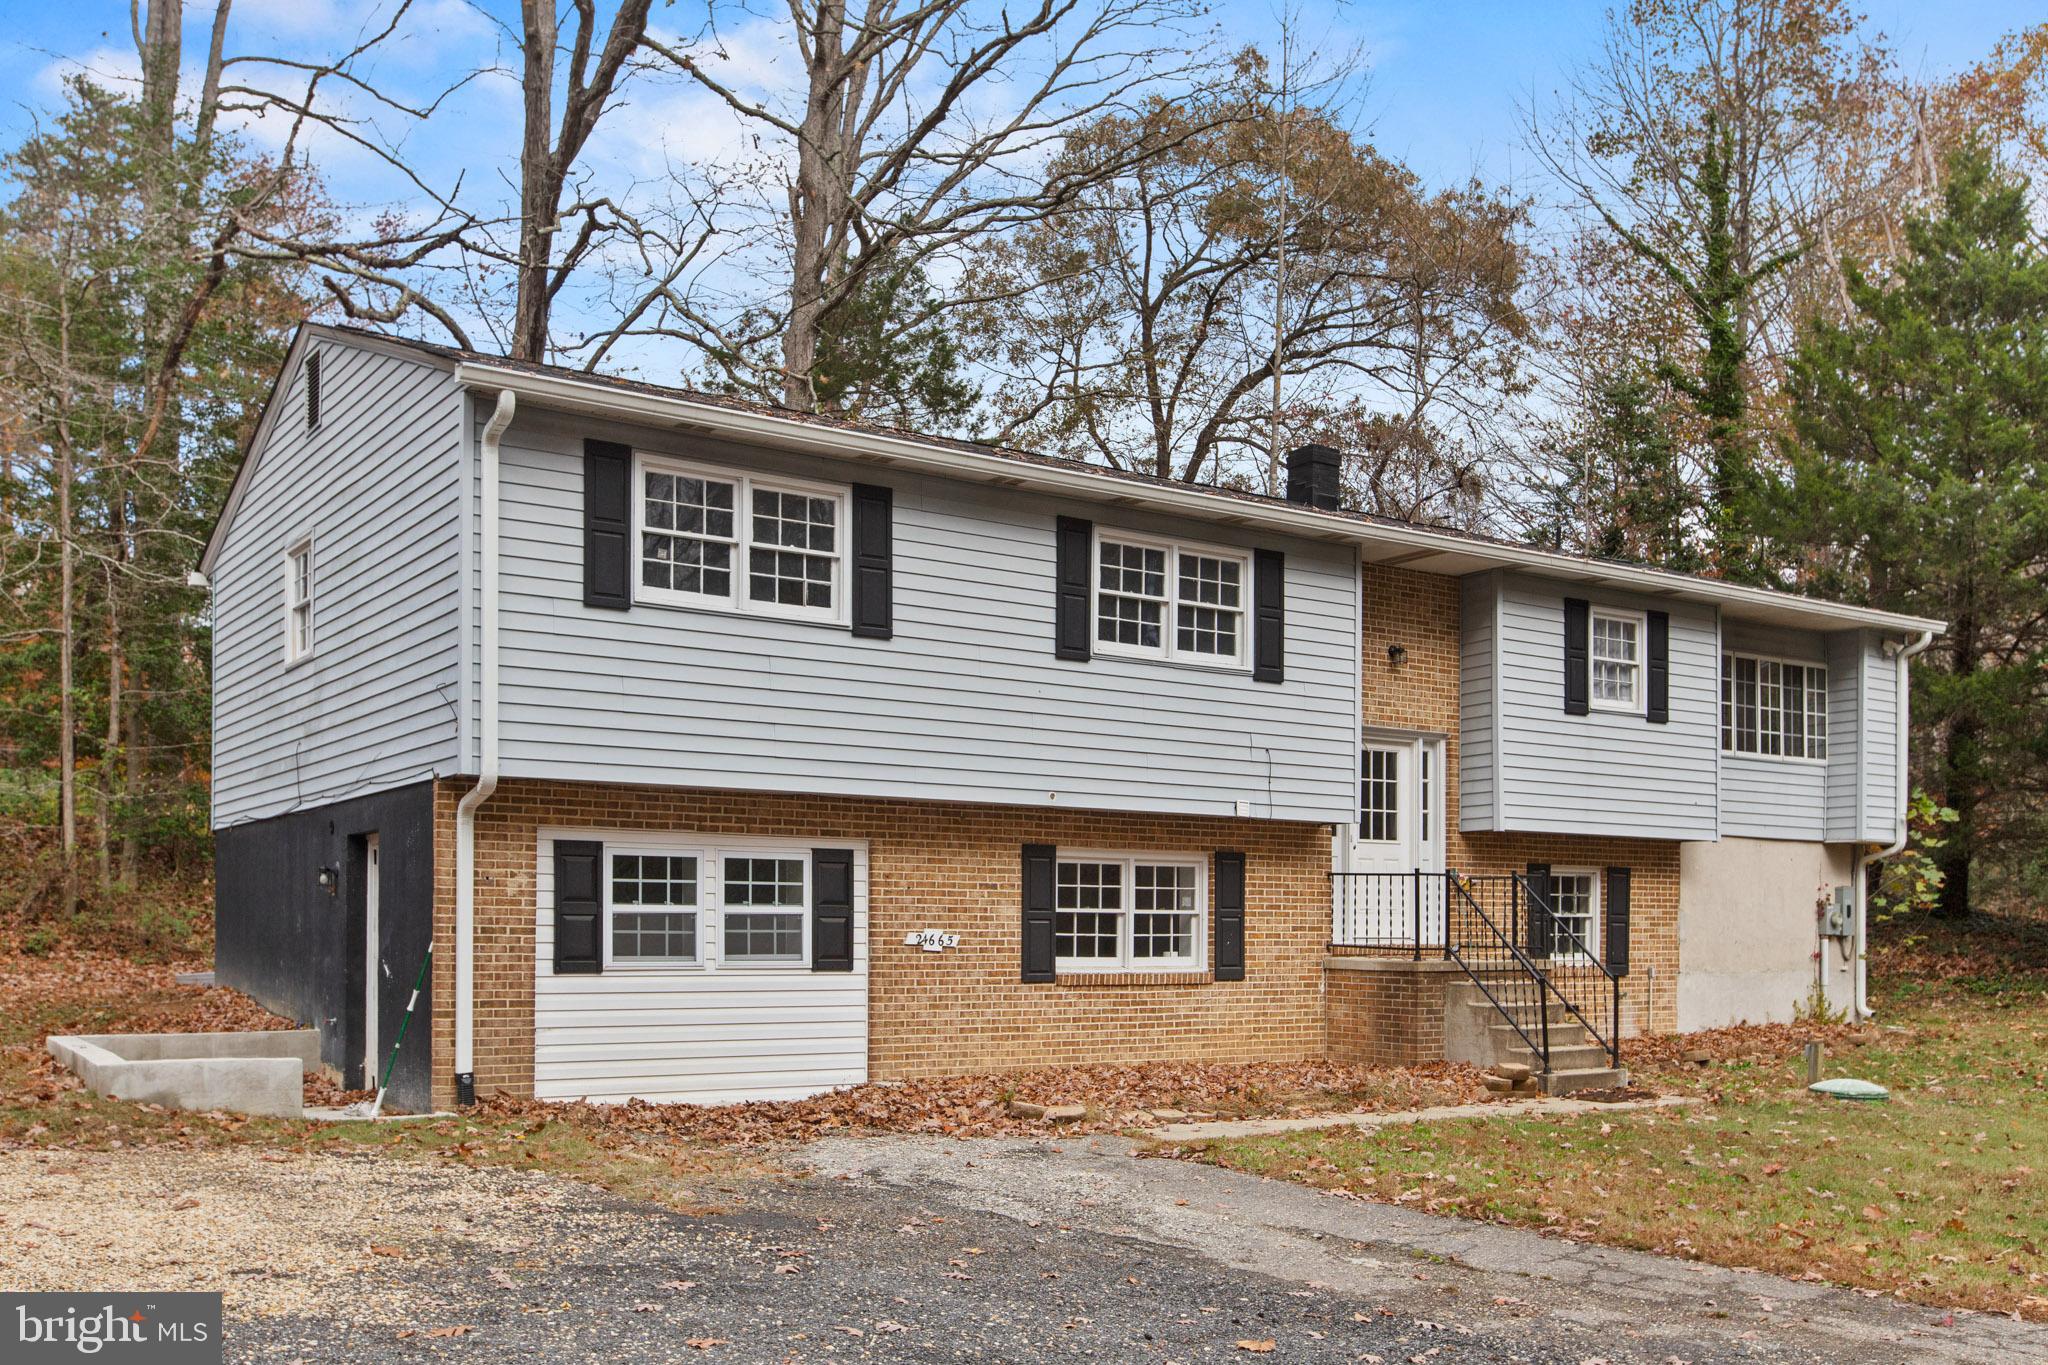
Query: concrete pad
{"points": [[1239, 1128], [243, 1073]]}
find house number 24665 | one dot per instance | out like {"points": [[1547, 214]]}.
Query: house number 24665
{"points": [[931, 940]]}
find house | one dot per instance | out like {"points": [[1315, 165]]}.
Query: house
{"points": [[725, 753]]}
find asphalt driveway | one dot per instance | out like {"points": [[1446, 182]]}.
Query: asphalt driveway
{"points": [[900, 1249]]}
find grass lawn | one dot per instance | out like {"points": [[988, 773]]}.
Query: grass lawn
{"points": [[1938, 1196]]}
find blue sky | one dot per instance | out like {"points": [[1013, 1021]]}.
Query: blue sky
{"points": [[1447, 80]]}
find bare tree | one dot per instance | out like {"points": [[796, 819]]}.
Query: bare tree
{"points": [[1144, 324], [919, 128]]}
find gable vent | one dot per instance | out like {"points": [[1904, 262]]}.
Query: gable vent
{"points": [[313, 391]]}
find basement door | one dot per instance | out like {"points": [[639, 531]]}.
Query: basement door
{"points": [[1399, 830]]}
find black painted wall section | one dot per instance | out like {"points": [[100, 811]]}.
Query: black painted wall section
{"points": [[286, 940]]}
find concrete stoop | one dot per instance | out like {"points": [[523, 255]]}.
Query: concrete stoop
{"points": [[1476, 1032], [244, 1073]]}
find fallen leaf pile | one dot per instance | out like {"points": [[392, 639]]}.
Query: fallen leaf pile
{"points": [[150, 999], [1738, 1042], [1117, 1097]]}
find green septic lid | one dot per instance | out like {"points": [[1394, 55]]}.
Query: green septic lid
{"points": [[1849, 1088]]}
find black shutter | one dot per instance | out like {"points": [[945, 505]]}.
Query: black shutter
{"points": [[1617, 920], [1229, 917], [1578, 626], [1039, 915], [1269, 616], [1658, 711], [579, 907], [607, 524], [873, 562], [831, 909], [1536, 911], [1074, 543]]}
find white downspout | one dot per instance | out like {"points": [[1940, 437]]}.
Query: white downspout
{"points": [[487, 768], [1860, 1005]]}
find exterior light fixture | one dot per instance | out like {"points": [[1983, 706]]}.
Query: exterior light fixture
{"points": [[1397, 654], [330, 880]]}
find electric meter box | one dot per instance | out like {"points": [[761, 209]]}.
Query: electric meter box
{"points": [[1838, 919]]}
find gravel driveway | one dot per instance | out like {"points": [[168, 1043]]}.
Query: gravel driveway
{"points": [[898, 1249]]}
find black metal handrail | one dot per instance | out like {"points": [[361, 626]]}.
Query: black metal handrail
{"points": [[1518, 952], [1516, 985], [1556, 931]]}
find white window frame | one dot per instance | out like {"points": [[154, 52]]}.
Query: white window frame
{"points": [[744, 485], [1168, 648], [1197, 961], [643, 964], [298, 645], [1594, 909], [1727, 721], [711, 907], [1640, 622]]}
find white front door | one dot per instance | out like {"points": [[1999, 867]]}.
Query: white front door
{"points": [[1399, 829], [373, 960]]}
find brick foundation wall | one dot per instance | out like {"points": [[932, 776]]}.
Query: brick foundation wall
{"points": [[931, 865], [1421, 612], [1388, 1012]]}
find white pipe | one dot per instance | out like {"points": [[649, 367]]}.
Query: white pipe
{"points": [[487, 769], [1860, 1001]]}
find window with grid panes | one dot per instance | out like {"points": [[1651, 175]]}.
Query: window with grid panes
{"points": [[1169, 601], [1133, 913]]}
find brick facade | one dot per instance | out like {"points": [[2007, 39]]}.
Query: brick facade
{"points": [[931, 865], [936, 865]]}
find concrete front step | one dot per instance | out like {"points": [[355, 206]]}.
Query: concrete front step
{"points": [[1564, 1082], [1575, 1057]]}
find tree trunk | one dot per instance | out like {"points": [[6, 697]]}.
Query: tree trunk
{"points": [[817, 203], [540, 181], [112, 747], [1961, 782], [67, 781]]}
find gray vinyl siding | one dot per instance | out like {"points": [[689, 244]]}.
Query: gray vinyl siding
{"points": [[1477, 749], [1881, 733], [1765, 797], [966, 703], [377, 488], [1846, 751], [1603, 773]]}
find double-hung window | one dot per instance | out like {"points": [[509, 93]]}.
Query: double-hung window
{"points": [[1574, 912], [298, 601], [1165, 600], [672, 906], [1617, 660], [740, 542], [1773, 707], [1128, 913]]}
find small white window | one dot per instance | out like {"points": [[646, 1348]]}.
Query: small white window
{"points": [[1575, 912], [713, 538], [298, 601], [688, 905], [1776, 708], [765, 909], [654, 907], [1617, 660], [1165, 600], [1129, 913]]}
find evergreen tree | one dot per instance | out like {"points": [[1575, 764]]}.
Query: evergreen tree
{"points": [[1624, 493], [1919, 460]]}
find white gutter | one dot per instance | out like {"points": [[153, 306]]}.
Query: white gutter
{"points": [[620, 404], [1860, 1004], [487, 770]]}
